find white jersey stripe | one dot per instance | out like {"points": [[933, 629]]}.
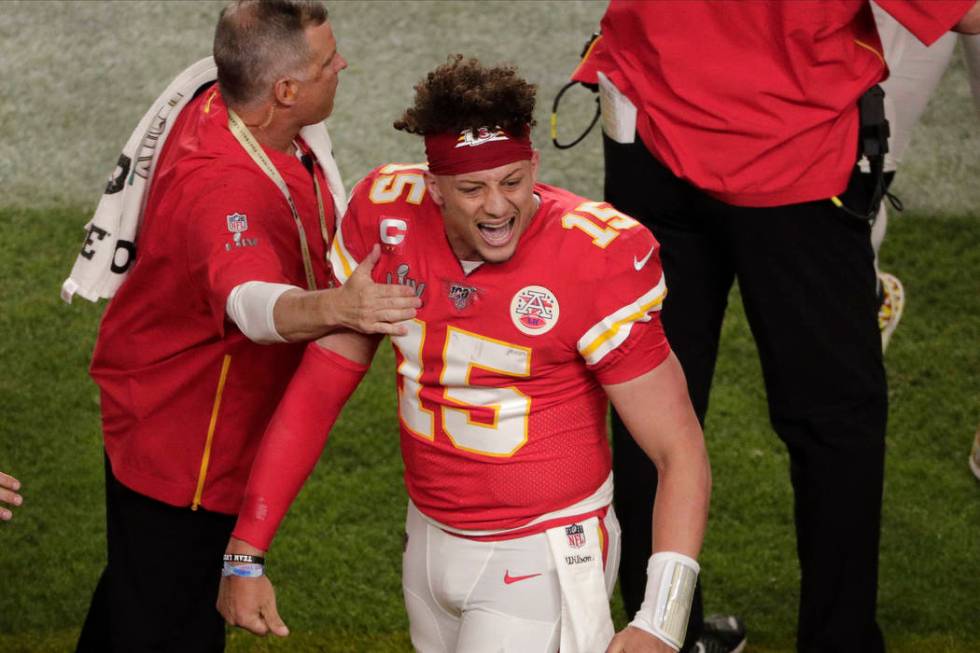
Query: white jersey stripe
{"points": [[341, 261], [614, 329]]}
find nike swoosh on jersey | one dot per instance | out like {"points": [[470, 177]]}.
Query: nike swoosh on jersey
{"points": [[638, 264], [508, 579]]}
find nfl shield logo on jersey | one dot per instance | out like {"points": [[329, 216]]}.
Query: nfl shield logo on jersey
{"points": [[534, 310], [576, 536], [237, 223]]}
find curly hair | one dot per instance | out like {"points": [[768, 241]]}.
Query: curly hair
{"points": [[463, 94]]}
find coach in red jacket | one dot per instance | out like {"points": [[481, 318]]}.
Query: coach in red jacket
{"points": [[196, 348], [731, 130]]}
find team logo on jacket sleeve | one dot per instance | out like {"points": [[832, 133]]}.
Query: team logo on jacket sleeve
{"points": [[534, 310], [237, 223]]}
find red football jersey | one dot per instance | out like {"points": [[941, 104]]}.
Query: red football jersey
{"points": [[503, 418]]}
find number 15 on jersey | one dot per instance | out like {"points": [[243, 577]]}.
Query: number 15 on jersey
{"points": [[482, 419]]}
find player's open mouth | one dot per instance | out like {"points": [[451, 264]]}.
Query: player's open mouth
{"points": [[497, 235]]}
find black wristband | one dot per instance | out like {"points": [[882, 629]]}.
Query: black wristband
{"points": [[241, 557]]}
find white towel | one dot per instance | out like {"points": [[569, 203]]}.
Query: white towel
{"points": [[586, 622], [111, 235]]}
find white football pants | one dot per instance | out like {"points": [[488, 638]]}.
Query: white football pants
{"points": [[464, 596]]}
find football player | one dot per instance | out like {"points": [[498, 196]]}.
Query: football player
{"points": [[538, 306]]}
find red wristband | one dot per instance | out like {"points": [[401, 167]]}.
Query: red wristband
{"points": [[294, 440]]}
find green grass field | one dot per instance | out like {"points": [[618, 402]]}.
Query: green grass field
{"points": [[63, 117]]}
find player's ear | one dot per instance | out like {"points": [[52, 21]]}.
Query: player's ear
{"points": [[285, 90], [432, 185], [535, 163]]}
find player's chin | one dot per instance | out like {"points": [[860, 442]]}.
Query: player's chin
{"points": [[498, 254]]}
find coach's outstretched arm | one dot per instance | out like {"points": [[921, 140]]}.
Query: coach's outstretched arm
{"points": [[272, 312], [8, 494], [656, 409], [331, 369]]}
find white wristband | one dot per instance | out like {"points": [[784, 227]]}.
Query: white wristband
{"points": [[250, 570], [667, 602], [250, 306]]}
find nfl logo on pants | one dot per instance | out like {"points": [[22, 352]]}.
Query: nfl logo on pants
{"points": [[576, 535]]}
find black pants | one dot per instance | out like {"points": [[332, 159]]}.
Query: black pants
{"points": [[160, 586], [808, 286]]}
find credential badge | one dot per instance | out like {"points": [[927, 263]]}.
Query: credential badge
{"points": [[534, 310]]}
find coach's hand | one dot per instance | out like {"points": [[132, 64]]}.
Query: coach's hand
{"points": [[8, 494], [371, 307], [250, 603], [359, 305], [634, 640]]}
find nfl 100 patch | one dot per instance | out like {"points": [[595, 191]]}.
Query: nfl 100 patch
{"points": [[461, 295]]}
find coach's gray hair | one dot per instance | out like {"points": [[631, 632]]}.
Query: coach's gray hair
{"points": [[257, 42]]}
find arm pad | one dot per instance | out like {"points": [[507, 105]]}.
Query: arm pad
{"points": [[251, 307], [294, 440], [667, 603]]}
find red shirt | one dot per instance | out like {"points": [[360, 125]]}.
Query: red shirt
{"points": [[754, 102], [186, 396], [503, 417]]}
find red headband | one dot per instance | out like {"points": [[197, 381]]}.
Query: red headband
{"points": [[455, 154]]}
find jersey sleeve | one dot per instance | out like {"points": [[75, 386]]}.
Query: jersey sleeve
{"points": [[927, 19], [353, 239], [230, 241], [623, 337]]}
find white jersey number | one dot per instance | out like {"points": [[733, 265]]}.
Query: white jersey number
{"points": [[502, 431], [586, 215], [394, 180]]}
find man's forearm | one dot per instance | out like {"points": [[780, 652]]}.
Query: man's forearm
{"points": [[680, 512], [268, 313], [656, 409], [302, 315], [272, 312], [297, 433], [359, 305]]}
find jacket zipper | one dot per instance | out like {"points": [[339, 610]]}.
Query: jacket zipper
{"points": [[206, 458]]}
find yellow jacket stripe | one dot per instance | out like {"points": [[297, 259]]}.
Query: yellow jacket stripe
{"points": [[206, 458]]}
